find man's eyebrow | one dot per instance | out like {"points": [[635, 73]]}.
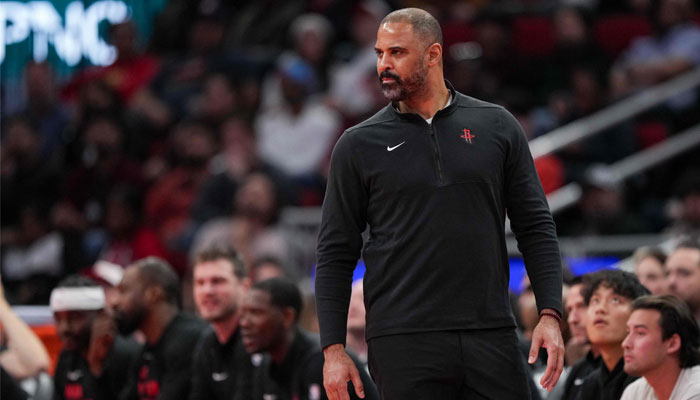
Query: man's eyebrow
{"points": [[376, 49], [640, 326]]}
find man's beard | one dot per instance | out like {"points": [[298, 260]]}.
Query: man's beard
{"points": [[127, 324], [403, 89]]}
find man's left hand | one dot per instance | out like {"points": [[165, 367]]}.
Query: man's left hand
{"points": [[548, 335]]}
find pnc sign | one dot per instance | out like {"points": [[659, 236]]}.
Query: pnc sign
{"points": [[73, 36]]}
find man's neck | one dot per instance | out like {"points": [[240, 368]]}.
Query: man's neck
{"points": [[157, 320], [611, 355], [663, 378], [225, 328], [427, 104], [280, 350]]}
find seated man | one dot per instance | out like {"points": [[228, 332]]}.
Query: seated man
{"points": [[609, 295], [583, 357], [662, 348], [149, 300], [650, 269], [221, 364], [293, 365], [683, 266], [94, 361]]}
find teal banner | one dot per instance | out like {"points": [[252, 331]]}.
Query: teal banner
{"points": [[69, 34]]}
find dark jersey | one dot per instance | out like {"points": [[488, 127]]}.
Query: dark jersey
{"points": [[10, 388], [435, 198], [221, 371], [602, 384], [300, 375], [578, 374], [73, 379], [164, 370]]}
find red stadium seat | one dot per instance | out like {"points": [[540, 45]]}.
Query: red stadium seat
{"points": [[614, 33], [533, 35], [651, 132], [457, 32]]}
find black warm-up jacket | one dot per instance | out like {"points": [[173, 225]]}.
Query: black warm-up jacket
{"points": [[435, 198]]}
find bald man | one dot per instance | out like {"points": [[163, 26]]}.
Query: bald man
{"points": [[433, 173]]}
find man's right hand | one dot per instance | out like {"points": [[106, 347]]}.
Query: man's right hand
{"points": [[338, 370]]}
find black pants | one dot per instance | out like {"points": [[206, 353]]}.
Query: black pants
{"points": [[483, 364]]}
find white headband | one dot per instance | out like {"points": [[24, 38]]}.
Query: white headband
{"points": [[77, 298]]}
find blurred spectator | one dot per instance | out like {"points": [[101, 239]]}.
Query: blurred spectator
{"points": [[575, 309], [229, 168], [43, 108], [183, 75], [149, 297], [222, 367], [497, 68], [574, 47], [170, 199], [683, 266], [266, 267], [103, 164], [602, 210], [354, 91], [26, 176], [293, 364], [297, 137], [254, 27], [673, 49], [33, 262], [94, 361], [23, 354], [685, 205], [651, 270], [251, 230], [663, 347], [217, 100], [125, 237], [609, 296], [130, 72]]}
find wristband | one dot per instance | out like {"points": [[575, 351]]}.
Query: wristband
{"points": [[551, 314]]}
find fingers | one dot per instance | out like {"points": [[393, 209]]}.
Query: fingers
{"points": [[534, 347], [555, 364], [357, 382]]}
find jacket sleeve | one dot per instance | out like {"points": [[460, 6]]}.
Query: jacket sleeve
{"points": [[199, 388], [531, 220], [340, 239]]}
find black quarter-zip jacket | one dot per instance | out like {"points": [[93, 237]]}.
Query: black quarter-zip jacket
{"points": [[435, 198]]}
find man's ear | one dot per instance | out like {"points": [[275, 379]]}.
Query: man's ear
{"points": [[289, 317], [673, 344], [153, 294], [434, 53]]}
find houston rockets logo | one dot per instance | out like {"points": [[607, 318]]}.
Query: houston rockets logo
{"points": [[467, 136]]}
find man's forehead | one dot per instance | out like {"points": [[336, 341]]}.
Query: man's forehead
{"points": [[257, 297], [644, 317], [684, 258], [605, 288], [398, 34]]}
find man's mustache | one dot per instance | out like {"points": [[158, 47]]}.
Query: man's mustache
{"points": [[387, 74]]}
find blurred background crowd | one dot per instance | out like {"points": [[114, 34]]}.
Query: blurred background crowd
{"points": [[217, 122]]}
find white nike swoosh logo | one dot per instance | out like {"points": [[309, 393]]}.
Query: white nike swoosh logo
{"points": [[74, 375], [393, 148], [578, 382], [219, 376]]}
